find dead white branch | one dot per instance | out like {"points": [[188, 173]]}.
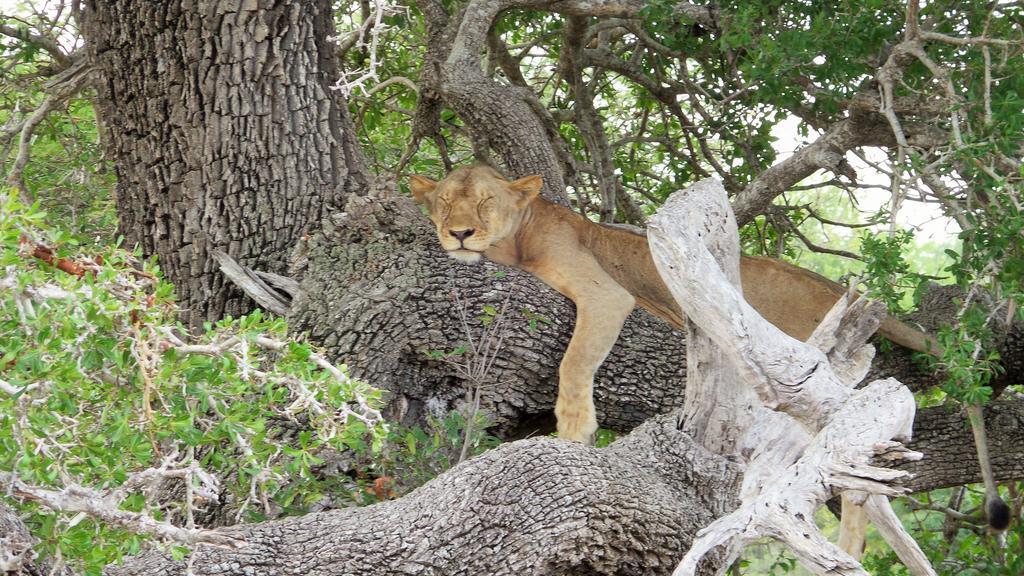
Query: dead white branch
{"points": [[792, 469], [367, 37], [270, 291]]}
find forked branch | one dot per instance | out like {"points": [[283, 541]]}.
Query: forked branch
{"points": [[789, 474]]}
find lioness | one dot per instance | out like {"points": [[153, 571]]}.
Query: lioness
{"points": [[605, 271]]}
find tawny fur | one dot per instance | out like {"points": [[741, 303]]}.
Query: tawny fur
{"points": [[605, 271]]}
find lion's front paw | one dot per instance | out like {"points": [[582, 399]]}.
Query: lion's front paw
{"points": [[576, 423]]}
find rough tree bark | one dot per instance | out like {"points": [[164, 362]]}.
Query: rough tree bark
{"points": [[539, 506], [15, 541], [223, 131]]}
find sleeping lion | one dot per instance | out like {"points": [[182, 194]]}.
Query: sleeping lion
{"points": [[605, 271]]}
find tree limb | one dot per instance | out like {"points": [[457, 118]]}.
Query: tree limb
{"points": [[106, 507], [539, 506], [44, 42], [59, 90], [511, 127]]}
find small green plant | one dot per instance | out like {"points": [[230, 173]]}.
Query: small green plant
{"points": [[603, 437], [534, 320], [411, 456], [474, 360], [887, 274]]}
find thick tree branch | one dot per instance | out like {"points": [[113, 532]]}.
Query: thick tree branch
{"points": [[619, 510], [825, 152]]}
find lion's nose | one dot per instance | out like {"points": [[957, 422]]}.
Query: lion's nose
{"points": [[461, 235]]}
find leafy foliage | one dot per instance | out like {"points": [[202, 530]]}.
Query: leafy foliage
{"points": [[99, 384], [410, 455]]}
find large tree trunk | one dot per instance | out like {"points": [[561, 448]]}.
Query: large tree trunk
{"points": [[223, 131]]}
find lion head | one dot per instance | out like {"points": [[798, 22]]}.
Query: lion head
{"points": [[474, 208]]}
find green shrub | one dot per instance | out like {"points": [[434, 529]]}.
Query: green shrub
{"points": [[98, 383]]}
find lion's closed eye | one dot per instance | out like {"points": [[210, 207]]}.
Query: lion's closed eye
{"points": [[446, 207], [485, 208]]}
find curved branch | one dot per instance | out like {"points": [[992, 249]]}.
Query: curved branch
{"points": [[43, 42], [497, 115], [394, 80], [61, 88], [825, 152], [587, 118]]}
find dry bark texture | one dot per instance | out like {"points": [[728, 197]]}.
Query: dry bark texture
{"points": [[223, 131], [15, 543], [950, 459], [379, 297], [540, 506]]}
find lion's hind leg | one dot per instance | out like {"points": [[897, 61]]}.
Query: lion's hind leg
{"points": [[853, 527]]}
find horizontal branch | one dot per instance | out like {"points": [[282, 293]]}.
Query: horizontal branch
{"points": [[827, 152], [106, 508], [537, 506], [967, 41]]}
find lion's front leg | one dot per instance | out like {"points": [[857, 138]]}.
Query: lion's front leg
{"points": [[599, 318], [602, 305]]}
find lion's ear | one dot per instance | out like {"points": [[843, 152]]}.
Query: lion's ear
{"points": [[527, 188], [421, 188]]}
